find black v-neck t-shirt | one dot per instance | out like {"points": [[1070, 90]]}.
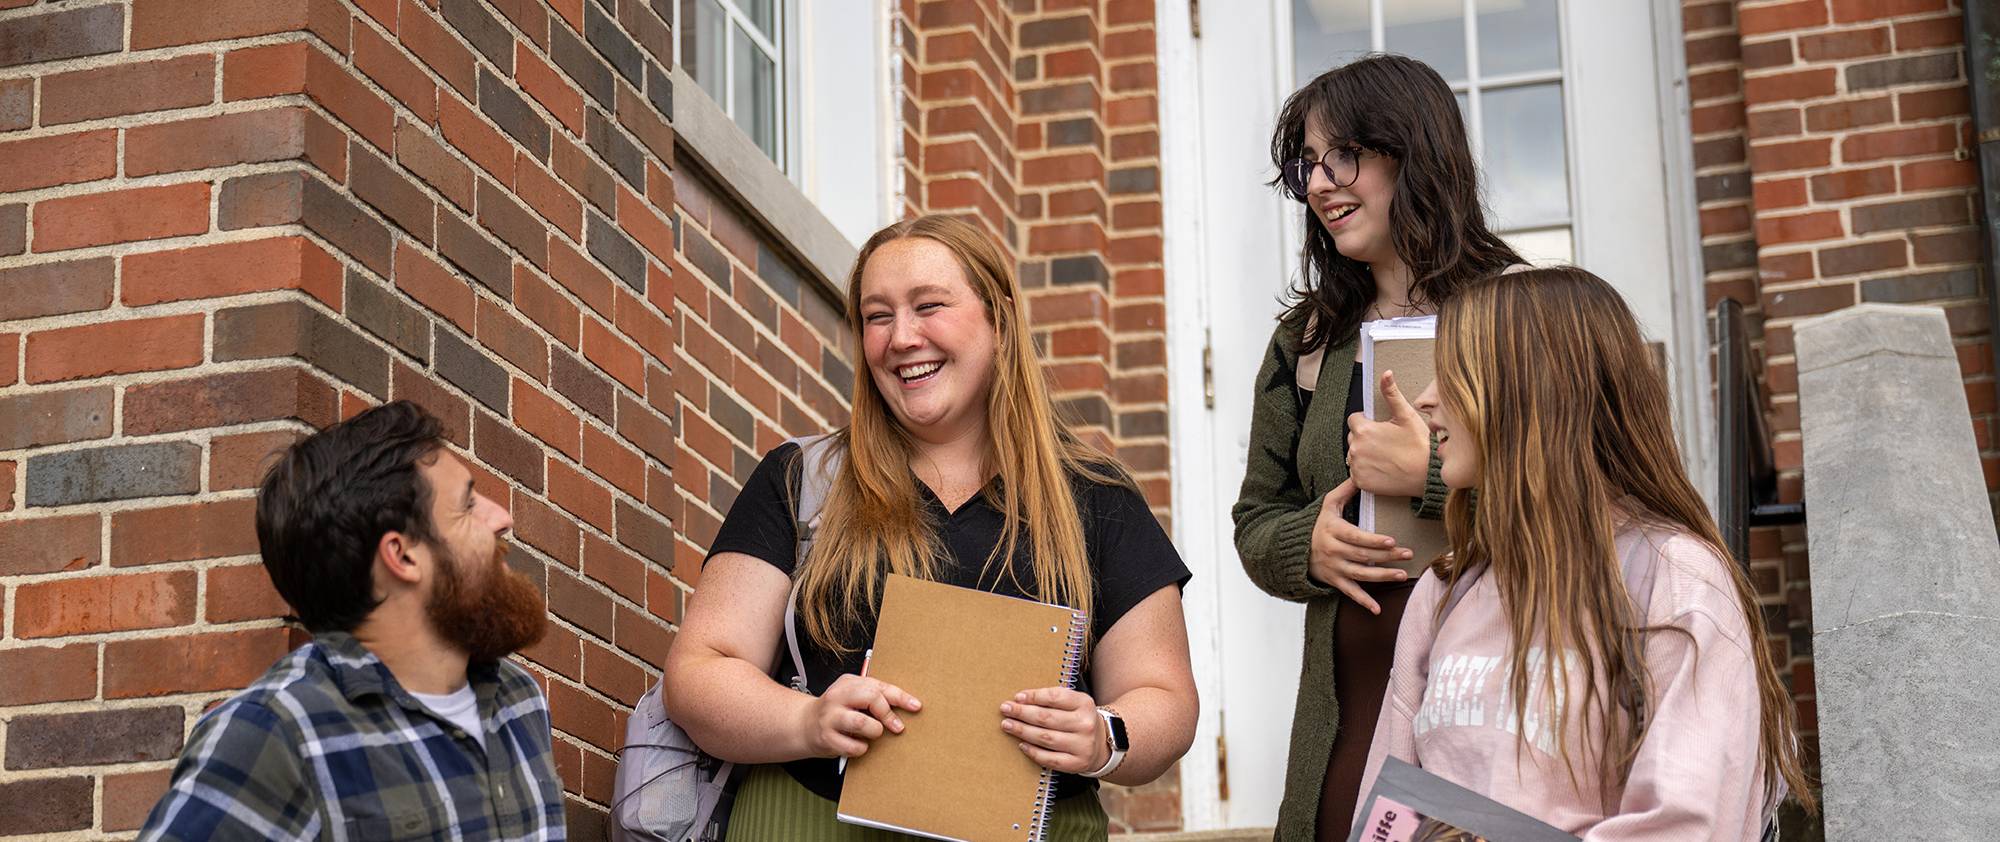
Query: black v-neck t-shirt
{"points": [[1130, 557]]}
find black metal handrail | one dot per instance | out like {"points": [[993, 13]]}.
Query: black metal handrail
{"points": [[1747, 489]]}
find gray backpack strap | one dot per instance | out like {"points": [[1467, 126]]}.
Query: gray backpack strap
{"points": [[1458, 589], [819, 463]]}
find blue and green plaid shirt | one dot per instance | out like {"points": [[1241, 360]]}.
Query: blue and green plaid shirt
{"points": [[327, 745]]}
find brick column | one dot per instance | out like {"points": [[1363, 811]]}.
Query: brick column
{"points": [[224, 223]]}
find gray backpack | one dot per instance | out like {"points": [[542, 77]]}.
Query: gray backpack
{"points": [[668, 789]]}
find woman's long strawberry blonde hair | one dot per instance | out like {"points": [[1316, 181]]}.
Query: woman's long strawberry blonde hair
{"points": [[874, 521], [1548, 374]]}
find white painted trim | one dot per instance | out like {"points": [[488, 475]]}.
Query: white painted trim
{"points": [[1191, 424], [706, 136], [1687, 353]]}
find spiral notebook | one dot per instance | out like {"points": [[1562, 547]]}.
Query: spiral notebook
{"points": [[952, 773], [1403, 346]]}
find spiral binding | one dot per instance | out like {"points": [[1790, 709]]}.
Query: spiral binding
{"points": [[1072, 665]]}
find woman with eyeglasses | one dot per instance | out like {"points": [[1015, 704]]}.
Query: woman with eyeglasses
{"points": [[1377, 153]]}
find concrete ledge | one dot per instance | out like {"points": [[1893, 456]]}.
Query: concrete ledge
{"points": [[1905, 579]]}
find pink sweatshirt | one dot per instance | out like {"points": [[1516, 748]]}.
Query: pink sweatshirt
{"points": [[1697, 775]]}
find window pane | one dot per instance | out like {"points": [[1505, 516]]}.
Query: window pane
{"points": [[1431, 31], [756, 93], [1527, 171], [1465, 110], [1326, 34], [702, 24], [1517, 36], [1543, 247], [759, 13]]}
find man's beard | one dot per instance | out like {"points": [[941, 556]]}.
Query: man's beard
{"points": [[497, 614]]}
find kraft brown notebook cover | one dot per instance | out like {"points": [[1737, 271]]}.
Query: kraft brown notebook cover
{"points": [[1403, 346], [952, 773]]}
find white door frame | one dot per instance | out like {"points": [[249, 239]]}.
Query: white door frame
{"points": [[1202, 527]]}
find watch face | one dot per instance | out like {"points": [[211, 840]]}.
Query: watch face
{"points": [[1118, 739]]}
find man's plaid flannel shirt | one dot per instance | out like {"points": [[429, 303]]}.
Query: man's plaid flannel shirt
{"points": [[327, 745]]}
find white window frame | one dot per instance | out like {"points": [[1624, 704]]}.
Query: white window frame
{"points": [[779, 46]]}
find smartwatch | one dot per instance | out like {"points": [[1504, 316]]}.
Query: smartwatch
{"points": [[1116, 739]]}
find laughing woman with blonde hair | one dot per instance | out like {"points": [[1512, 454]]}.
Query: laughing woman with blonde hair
{"points": [[956, 469], [1587, 653]]}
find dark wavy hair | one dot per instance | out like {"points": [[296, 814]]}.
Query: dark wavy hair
{"points": [[1399, 107], [325, 504]]}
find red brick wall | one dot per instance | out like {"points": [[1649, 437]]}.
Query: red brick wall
{"points": [[1039, 119], [1832, 144], [226, 222]]}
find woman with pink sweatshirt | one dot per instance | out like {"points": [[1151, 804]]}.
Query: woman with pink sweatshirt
{"points": [[1586, 654]]}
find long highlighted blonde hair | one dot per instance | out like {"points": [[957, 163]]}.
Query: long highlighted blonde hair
{"points": [[874, 522], [1548, 374]]}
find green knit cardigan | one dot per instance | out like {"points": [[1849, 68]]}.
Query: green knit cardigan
{"points": [[1293, 463]]}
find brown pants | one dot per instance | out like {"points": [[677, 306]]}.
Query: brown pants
{"points": [[1364, 647]]}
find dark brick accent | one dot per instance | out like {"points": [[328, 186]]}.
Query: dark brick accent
{"points": [[34, 419], [487, 34], [120, 472], [385, 314], [45, 805], [463, 366], [59, 35], [660, 91], [777, 273], [1722, 257], [1086, 269], [1081, 131], [502, 447], [467, 249], [1863, 257], [1074, 96], [611, 247], [344, 224], [586, 176], [835, 370], [47, 741], [1914, 213], [238, 397], [1026, 68], [617, 47], [1808, 301], [1767, 54], [733, 417], [1728, 185], [514, 223], [255, 201], [513, 114], [1931, 286], [1135, 180], [613, 146], [17, 104], [52, 289], [1890, 72], [13, 229], [383, 185], [295, 329], [1046, 33], [1086, 410], [707, 257], [1151, 422], [644, 533], [583, 65], [580, 382]]}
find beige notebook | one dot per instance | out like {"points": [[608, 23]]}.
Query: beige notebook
{"points": [[952, 773], [1403, 346]]}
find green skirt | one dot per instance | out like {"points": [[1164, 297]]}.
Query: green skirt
{"points": [[772, 807]]}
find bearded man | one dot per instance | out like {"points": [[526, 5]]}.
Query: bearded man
{"points": [[402, 718]]}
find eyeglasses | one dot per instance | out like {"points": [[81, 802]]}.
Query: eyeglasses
{"points": [[1342, 165]]}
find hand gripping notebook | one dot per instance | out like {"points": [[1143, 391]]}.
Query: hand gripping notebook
{"points": [[952, 773], [1404, 347]]}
